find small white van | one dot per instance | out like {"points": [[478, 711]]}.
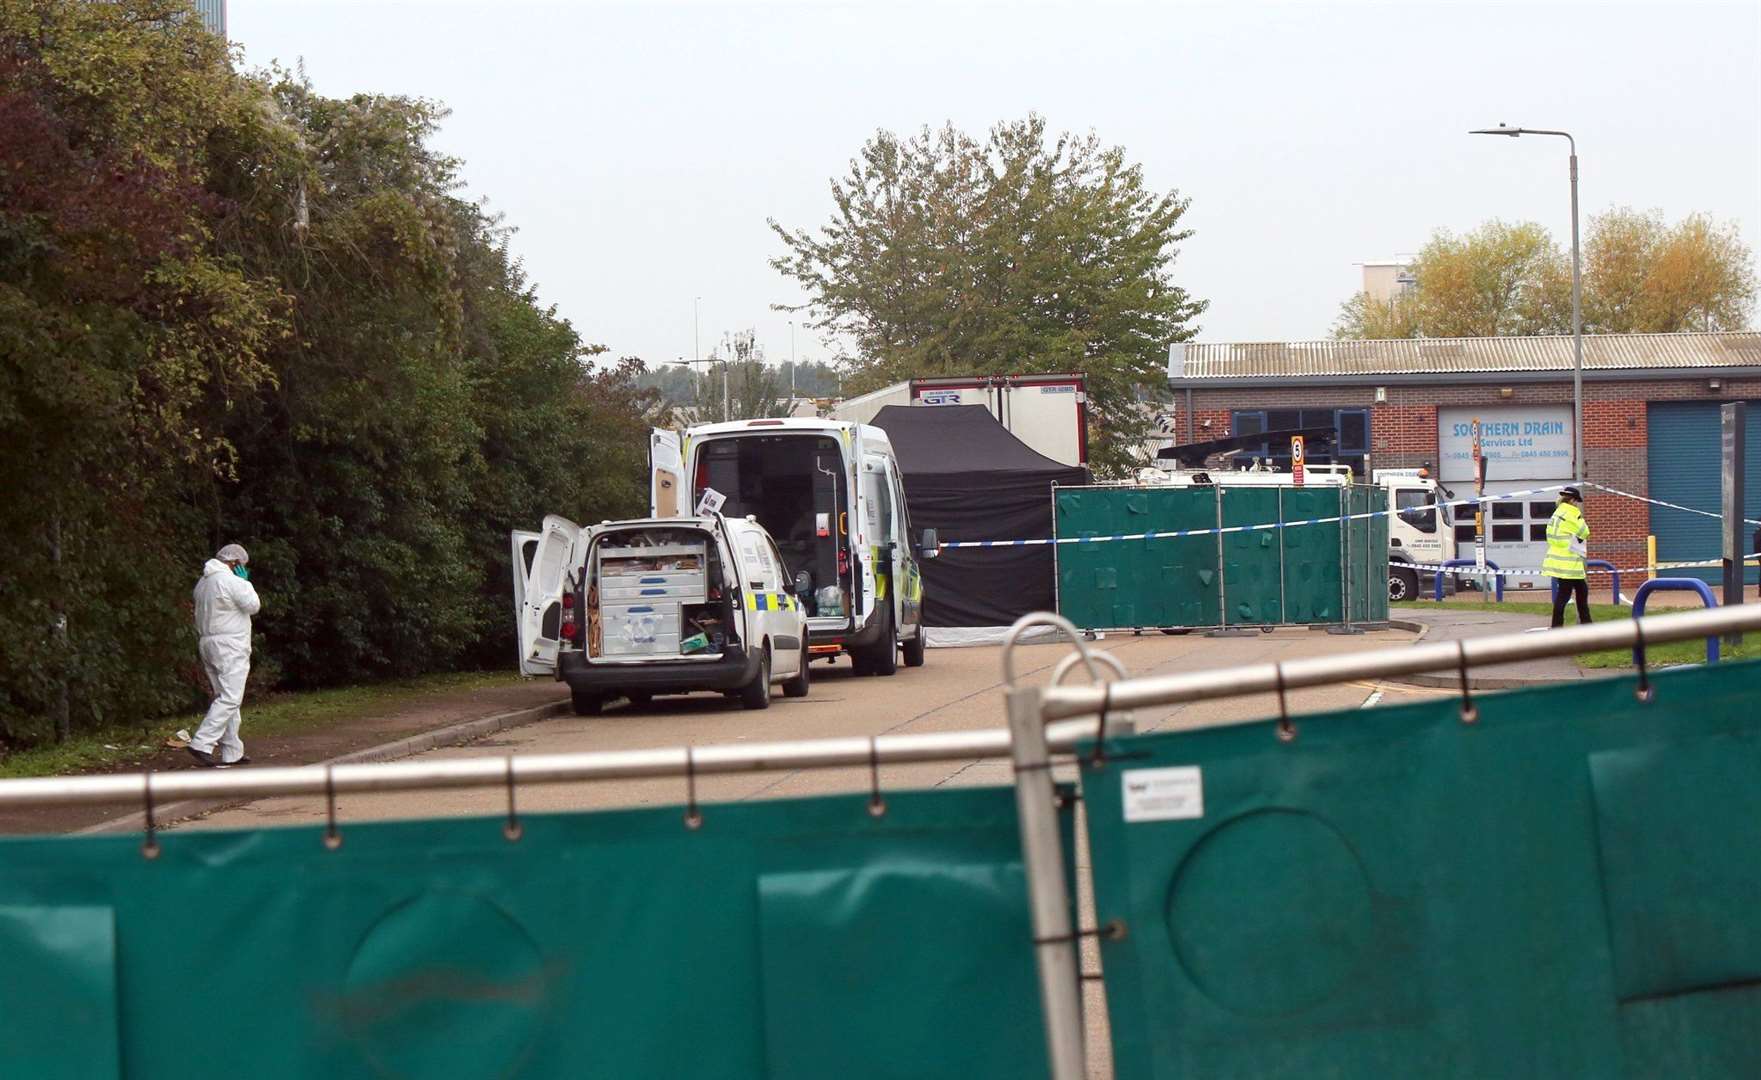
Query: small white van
{"points": [[659, 606], [829, 492]]}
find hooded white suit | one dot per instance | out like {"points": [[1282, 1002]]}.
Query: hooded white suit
{"points": [[225, 603]]}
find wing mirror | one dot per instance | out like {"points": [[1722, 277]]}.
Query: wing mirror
{"points": [[931, 545]]}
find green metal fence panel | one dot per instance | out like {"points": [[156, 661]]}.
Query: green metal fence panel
{"points": [[1565, 887], [1251, 563], [1162, 581], [799, 938], [1376, 557], [1311, 556]]}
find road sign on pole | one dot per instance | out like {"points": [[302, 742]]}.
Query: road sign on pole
{"points": [[1296, 458], [1479, 505]]}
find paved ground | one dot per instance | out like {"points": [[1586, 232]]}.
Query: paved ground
{"points": [[959, 689], [1456, 624]]}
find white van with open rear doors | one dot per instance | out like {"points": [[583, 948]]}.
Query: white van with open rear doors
{"points": [[658, 606], [830, 494]]}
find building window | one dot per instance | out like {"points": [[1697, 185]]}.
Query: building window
{"points": [[1351, 427]]}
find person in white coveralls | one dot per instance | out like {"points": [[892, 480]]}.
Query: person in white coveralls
{"points": [[225, 602]]}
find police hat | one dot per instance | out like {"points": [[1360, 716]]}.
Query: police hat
{"points": [[1571, 493]]}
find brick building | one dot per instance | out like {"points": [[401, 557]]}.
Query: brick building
{"points": [[1650, 422]]}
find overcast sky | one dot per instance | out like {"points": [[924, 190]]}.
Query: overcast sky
{"points": [[638, 148]]}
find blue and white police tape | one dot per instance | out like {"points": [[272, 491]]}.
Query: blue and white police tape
{"points": [[1660, 502], [1173, 534], [1474, 571]]}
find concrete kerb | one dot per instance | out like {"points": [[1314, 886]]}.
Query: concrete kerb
{"points": [[1453, 682], [453, 735]]}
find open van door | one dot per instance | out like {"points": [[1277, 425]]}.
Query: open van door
{"points": [[541, 565], [666, 474]]}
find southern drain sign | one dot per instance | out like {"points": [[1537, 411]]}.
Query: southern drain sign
{"points": [[1164, 794]]}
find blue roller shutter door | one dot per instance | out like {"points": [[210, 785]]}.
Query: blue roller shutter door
{"points": [[1684, 466]]}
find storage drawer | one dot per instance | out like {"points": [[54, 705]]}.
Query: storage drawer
{"points": [[640, 629], [610, 579], [671, 594]]}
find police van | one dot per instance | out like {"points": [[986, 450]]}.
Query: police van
{"points": [[658, 606], [830, 494]]}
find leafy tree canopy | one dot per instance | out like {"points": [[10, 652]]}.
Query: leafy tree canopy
{"points": [[234, 309], [1640, 274], [1019, 252]]}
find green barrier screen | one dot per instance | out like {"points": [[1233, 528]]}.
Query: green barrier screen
{"points": [[799, 938], [1564, 888], [1258, 577]]}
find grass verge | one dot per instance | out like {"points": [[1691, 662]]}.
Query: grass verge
{"points": [[276, 714], [1674, 652]]}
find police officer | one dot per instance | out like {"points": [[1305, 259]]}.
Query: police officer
{"points": [[1568, 535]]}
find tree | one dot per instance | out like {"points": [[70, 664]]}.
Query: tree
{"points": [[946, 255], [1652, 277], [234, 309], [1640, 275]]}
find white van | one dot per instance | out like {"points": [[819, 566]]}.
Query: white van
{"points": [[829, 493], [658, 606]]}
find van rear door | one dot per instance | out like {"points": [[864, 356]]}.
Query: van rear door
{"points": [[666, 474], [541, 566]]}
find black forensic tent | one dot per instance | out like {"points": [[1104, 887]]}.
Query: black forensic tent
{"points": [[968, 478]]}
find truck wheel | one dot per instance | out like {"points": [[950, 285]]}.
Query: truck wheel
{"points": [[756, 694], [797, 686], [914, 649], [883, 655], [1403, 584], [586, 704]]}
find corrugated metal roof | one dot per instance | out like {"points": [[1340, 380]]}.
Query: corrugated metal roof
{"points": [[1424, 356]]}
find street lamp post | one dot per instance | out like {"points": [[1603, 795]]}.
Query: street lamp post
{"points": [[1577, 317], [791, 363]]}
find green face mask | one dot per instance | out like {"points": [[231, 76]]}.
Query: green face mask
{"points": [[242, 571]]}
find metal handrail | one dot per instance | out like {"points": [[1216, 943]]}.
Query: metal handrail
{"points": [[1065, 702], [1058, 703]]}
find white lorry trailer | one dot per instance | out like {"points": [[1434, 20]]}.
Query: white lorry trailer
{"points": [[1047, 412]]}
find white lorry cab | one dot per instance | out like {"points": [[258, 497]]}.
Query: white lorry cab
{"points": [[658, 606], [1421, 530], [830, 494]]}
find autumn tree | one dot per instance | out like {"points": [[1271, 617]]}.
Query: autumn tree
{"points": [[1639, 275], [1019, 252]]}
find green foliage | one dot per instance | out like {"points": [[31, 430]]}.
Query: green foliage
{"points": [[947, 255], [233, 309], [1639, 275]]}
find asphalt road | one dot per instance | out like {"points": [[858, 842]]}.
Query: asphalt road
{"points": [[958, 689]]}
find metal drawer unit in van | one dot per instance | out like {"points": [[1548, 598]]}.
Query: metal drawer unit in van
{"points": [[641, 590]]}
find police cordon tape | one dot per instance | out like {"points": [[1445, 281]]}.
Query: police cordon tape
{"points": [[1171, 534], [1474, 571], [1660, 502]]}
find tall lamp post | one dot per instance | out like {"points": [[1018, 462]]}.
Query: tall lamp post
{"points": [[1577, 318]]}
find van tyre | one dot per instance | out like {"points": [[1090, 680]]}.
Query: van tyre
{"points": [[585, 703], [883, 655], [756, 694], [914, 648], [1403, 584], [797, 686]]}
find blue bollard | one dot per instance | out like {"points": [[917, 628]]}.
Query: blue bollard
{"points": [[1677, 584]]}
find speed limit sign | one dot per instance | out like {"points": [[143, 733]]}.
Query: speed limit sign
{"points": [[1296, 458]]}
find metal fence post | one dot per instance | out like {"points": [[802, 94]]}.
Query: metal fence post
{"points": [[1283, 614], [1042, 854], [1222, 588]]}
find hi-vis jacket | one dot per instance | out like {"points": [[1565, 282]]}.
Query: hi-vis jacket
{"points": [[1567, 535]]}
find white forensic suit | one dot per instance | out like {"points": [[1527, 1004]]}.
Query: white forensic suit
{"points": [[225, 603]]}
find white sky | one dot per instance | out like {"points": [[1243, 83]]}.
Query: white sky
{"points": [[638, 148]]}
